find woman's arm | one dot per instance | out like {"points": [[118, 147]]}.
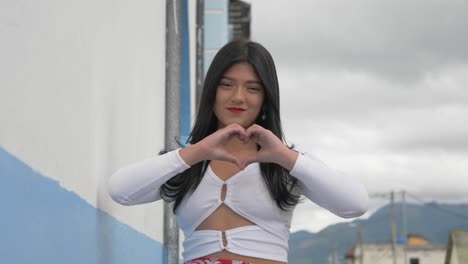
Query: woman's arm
{"points": [[330, 189], [140, 182], [338, 193]]}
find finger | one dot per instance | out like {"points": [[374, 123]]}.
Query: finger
{"points": [[264, 137], [254, 136], [248, 161], [235, 129], [253, 128], [255, 131], [234, 160]]}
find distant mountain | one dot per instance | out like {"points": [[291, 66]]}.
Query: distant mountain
{"points": [[432, 220]]}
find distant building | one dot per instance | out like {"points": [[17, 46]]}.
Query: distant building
{"points": [[457, 249], [418, 251], [416, 240]]}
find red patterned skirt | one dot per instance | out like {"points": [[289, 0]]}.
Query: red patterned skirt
{"points": [[215, 261]]}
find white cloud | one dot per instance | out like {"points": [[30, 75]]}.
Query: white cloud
{"points": [[397, 39], [376, 89], [310, 92]]}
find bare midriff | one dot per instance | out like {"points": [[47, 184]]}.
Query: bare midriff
{"points": [[224, 218]]}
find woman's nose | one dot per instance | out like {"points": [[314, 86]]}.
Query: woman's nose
{"points": [[238, 94]]}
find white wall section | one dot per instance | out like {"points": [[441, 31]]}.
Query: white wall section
{"points": [[82, 93]]}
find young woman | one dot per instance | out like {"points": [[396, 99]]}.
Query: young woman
{"points": [[235, 187]]}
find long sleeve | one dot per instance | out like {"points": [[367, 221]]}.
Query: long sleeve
{"points": [[140, 182], [336, 192]]}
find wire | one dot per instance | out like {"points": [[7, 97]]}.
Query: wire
{"points": [[435, 205], [379, 195]]}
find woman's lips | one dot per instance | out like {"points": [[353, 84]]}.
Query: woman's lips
{"points": [[236, 110]]}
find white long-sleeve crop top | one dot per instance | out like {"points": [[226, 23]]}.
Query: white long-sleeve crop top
{"points": [[247, 195]]}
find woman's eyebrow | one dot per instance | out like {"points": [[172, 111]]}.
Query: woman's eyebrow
{"points": [[233, 79]]}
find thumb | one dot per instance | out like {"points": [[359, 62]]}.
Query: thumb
{"points": [[233, 159], [248, 161]]}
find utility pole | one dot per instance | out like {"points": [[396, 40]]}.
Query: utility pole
{"points": [[405, 246], [200, 74], [358, 250], [392, 220], [172, 123], [361, 250], [335, 255]]}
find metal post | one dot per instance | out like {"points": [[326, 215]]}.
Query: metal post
{"points": [[200, 74], [405, 231], [392, 215], [361, 249], [172, 124]]}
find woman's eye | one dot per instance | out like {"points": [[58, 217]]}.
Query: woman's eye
{"points": [[227, 85], [253, 89]]}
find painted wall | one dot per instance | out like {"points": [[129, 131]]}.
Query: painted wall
{"points": [[382, 253], [82, 94], [44, 223]]}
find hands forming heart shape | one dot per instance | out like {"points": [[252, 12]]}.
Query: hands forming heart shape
{"points": [[272, 148]]}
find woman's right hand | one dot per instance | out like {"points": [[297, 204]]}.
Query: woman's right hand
{"points": [[213, 147]]}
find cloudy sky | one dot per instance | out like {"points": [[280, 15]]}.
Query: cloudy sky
{"points": [[376, 89]]}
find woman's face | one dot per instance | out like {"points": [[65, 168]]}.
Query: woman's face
{"points": [[239, 96]]}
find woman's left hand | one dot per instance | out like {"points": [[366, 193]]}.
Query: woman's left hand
{"points": [[272, 149]]}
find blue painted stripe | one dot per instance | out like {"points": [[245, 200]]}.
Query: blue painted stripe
{"points": [[185, 76], [44, 223]]}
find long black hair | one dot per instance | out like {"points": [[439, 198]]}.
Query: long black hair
{"points": [[278, 180]]}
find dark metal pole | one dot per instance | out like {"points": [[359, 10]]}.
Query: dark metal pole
{"points": [[361, 253], [172, 124], [405, 234], [392, 216], [200, 74]]}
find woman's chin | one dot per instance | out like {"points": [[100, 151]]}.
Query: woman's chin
{"points": [[240, 123]]}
